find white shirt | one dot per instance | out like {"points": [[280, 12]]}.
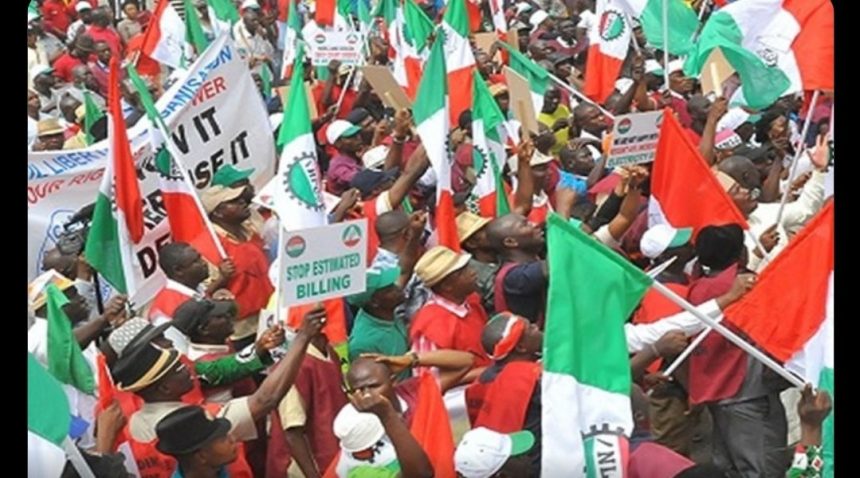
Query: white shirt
{"points": [[587, 20], [640, 336], [794, 216], [595, 153]]}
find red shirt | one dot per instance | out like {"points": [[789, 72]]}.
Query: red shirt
{"points": [[107, 35], [63, 66], [345, 107], [452, 326], [250, 284], [56, 16]]}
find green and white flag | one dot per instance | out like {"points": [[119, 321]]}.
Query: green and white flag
{"points": [[223, 15], [683, 23], [48, 420], [193, 31], [536, 75], [488, 152], [118, 216], [296, 188], [735, 30], [586, 379], [92, 113], [65, 360]]}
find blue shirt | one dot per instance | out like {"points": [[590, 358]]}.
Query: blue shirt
{"points": [[222, 473]]}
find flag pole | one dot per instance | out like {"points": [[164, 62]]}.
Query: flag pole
{"points": [[77, 459], [703, 8], [666, 42], [579, 95], [687, 351], [158, 122], [728, 334], [800, 148]]}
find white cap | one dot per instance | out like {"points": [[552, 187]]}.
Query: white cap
{"points": [[340, 129], [656, 240], [374, 157], [356, 430], [522, 7], [38, 69], [653, 66], [537, 18], [483, 452], [733, 118], [250, 4], [676, 65], [81, 6], [623, 85]]}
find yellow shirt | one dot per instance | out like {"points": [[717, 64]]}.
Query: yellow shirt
{"points": [[562, 136]]}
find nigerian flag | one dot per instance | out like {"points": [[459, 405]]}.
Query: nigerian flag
{"points": [[536, 75], [65, 359], [298, 192], [48, 421], [92, 114], [586, 379], [223, 15], [488, 151]]}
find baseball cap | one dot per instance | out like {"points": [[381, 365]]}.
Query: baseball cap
{"points": [[653, 67], [40, 69], [483, 452], [374, 157], [377, 279], [676, 65], [229, 174], [537, 18], [656, 240], [340, 129], [215, 195], [367, 180], [250, 4], [727, 139], [356, 430], [83, 6]]}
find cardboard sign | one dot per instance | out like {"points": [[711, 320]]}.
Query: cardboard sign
{"points": [[485, 41], [284, 93], [634, 138], [343, 46], [521, 100], [386, 87], [715, 72], [324, 262]]}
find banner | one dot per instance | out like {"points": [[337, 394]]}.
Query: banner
{"points": [[635, 138], [343, 46], [214, 120], [324, 262]]}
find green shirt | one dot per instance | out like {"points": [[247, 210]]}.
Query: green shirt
{"points": [[374, 335]]}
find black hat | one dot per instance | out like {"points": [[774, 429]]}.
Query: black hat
{"points": [[142, 366], [194, 313], [367, 179], [357, 115], [187, 430]]}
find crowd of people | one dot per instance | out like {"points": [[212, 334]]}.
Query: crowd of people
{"points": [[198, 391]]}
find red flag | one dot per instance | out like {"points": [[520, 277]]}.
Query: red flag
{"points": [[128, 199], [431, 427], [324, 15], [787, 305], [684, 190], [813, 46]]}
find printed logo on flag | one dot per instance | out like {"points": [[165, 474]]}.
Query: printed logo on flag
{"points": [[479, 157], [352, 38], [768, 56], [320, 38], [624, 125], [351, 236], [296, 246], [612, 25], [302, 180]]}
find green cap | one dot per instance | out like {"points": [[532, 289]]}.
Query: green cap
{"points": [[521, 442], [228, 175], [377, 279]]}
